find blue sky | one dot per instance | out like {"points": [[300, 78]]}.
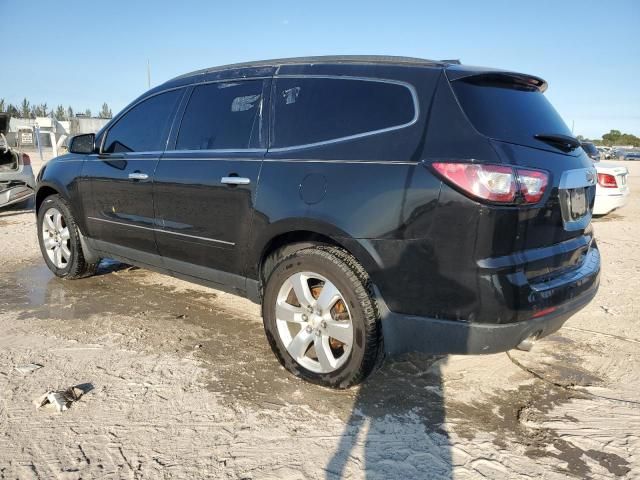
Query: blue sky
{"points": [[83, 53]]}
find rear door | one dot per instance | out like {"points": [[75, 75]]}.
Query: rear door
{"points": [[205, 185], [120, 215]]}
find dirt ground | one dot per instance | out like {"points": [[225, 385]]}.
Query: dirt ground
{"points": [[180, 383]]}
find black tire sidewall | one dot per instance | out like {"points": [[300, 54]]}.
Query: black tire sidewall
{"points": [[299, 262], [54, 201]]}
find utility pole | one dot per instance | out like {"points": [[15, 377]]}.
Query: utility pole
{"points": [[148, 74]]}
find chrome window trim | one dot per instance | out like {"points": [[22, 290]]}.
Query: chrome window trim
{"points": [[412, 91], [377, 162], [219, 150], [160, 230]]}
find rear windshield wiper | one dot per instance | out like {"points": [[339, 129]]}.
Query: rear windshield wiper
{"points": [[565, 143]]}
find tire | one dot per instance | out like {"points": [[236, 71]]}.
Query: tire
{"points": [[300, 332], [59, 239]]}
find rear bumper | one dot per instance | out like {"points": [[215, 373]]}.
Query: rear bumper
{"points": [[607, 203], [16, 186], [15, 195], [567, 295]]}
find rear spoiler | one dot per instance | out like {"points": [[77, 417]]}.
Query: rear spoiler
{"points": [[489, 76]]}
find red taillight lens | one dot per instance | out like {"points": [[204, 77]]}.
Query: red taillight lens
{"points": [[607, 181], [495, 183], [532, 183], [489, 182], [26, 160]]}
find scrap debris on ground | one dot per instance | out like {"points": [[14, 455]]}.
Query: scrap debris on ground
{"points": [[61, 400]]}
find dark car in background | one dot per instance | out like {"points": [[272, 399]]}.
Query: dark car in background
{"points": [[372, 205], [628, 154]]}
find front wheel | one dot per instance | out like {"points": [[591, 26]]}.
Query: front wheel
{"points": [[320, 317], [59, 240]]}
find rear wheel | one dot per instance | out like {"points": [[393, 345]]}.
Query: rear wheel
{"points": [[59, 240], [320, 317]]}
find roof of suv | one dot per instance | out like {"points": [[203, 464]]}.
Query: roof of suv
{"points": [[454, 68], [329, 59]]}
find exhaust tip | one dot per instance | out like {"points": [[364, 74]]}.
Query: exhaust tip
{"points": [[527, 344]]}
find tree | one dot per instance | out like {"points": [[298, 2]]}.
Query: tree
{"points": [[25, 109], [105, 112], [616, 137], [87, 112], [1, 104], [69, 112], [60, 113], [13, 111]]}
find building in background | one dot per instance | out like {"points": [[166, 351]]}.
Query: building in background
{"points": [[22, 131]]}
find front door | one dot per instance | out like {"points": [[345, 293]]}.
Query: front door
{"points": [[121, 215], [205, 187]]}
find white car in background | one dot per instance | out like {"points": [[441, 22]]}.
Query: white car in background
{"points": [[612, 190], [17, 183]]}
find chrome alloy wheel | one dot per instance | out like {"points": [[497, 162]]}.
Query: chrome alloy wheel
{"points": [[314, 322], [56, 238]]}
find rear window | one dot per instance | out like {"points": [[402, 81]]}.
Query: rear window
{"points": [[508, 111], [313, 110]]}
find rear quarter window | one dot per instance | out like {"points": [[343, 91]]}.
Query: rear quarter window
{"points": [[314, 110]]}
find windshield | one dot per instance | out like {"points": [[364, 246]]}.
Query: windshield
{"points": [[504, 110]]}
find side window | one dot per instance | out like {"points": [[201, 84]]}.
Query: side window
{"points": [[145, 127], [221, 116], [311, 110]]}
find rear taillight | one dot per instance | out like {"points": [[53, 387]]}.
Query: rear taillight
{"points": [[607, 181], [532, 183], [26, 160], [495, 183]]}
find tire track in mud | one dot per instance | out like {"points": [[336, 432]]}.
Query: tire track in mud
{"points": [[525, 416]]}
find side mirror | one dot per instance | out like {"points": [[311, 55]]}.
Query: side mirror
{"points": [[85, 143]]}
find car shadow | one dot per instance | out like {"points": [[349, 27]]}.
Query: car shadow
{"points": [[397, 424]]}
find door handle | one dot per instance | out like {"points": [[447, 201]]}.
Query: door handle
{"points": [[138, 176], [235, 180]]}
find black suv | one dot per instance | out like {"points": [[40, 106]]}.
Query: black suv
{"points": [[372, 205]]}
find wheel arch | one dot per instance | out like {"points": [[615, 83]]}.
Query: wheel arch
{"points": [[290, 241], [45, 191]]}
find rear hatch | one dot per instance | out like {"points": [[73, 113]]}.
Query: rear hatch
{"points": [[511, 110]]}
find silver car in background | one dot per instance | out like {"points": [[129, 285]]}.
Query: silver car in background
{"points": [[17, 183]]}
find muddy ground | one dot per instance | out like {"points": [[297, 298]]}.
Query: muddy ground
{"points": [[180, 383]]}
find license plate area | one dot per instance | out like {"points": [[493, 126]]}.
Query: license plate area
{"points": [[577, 199], [576, 195]]}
